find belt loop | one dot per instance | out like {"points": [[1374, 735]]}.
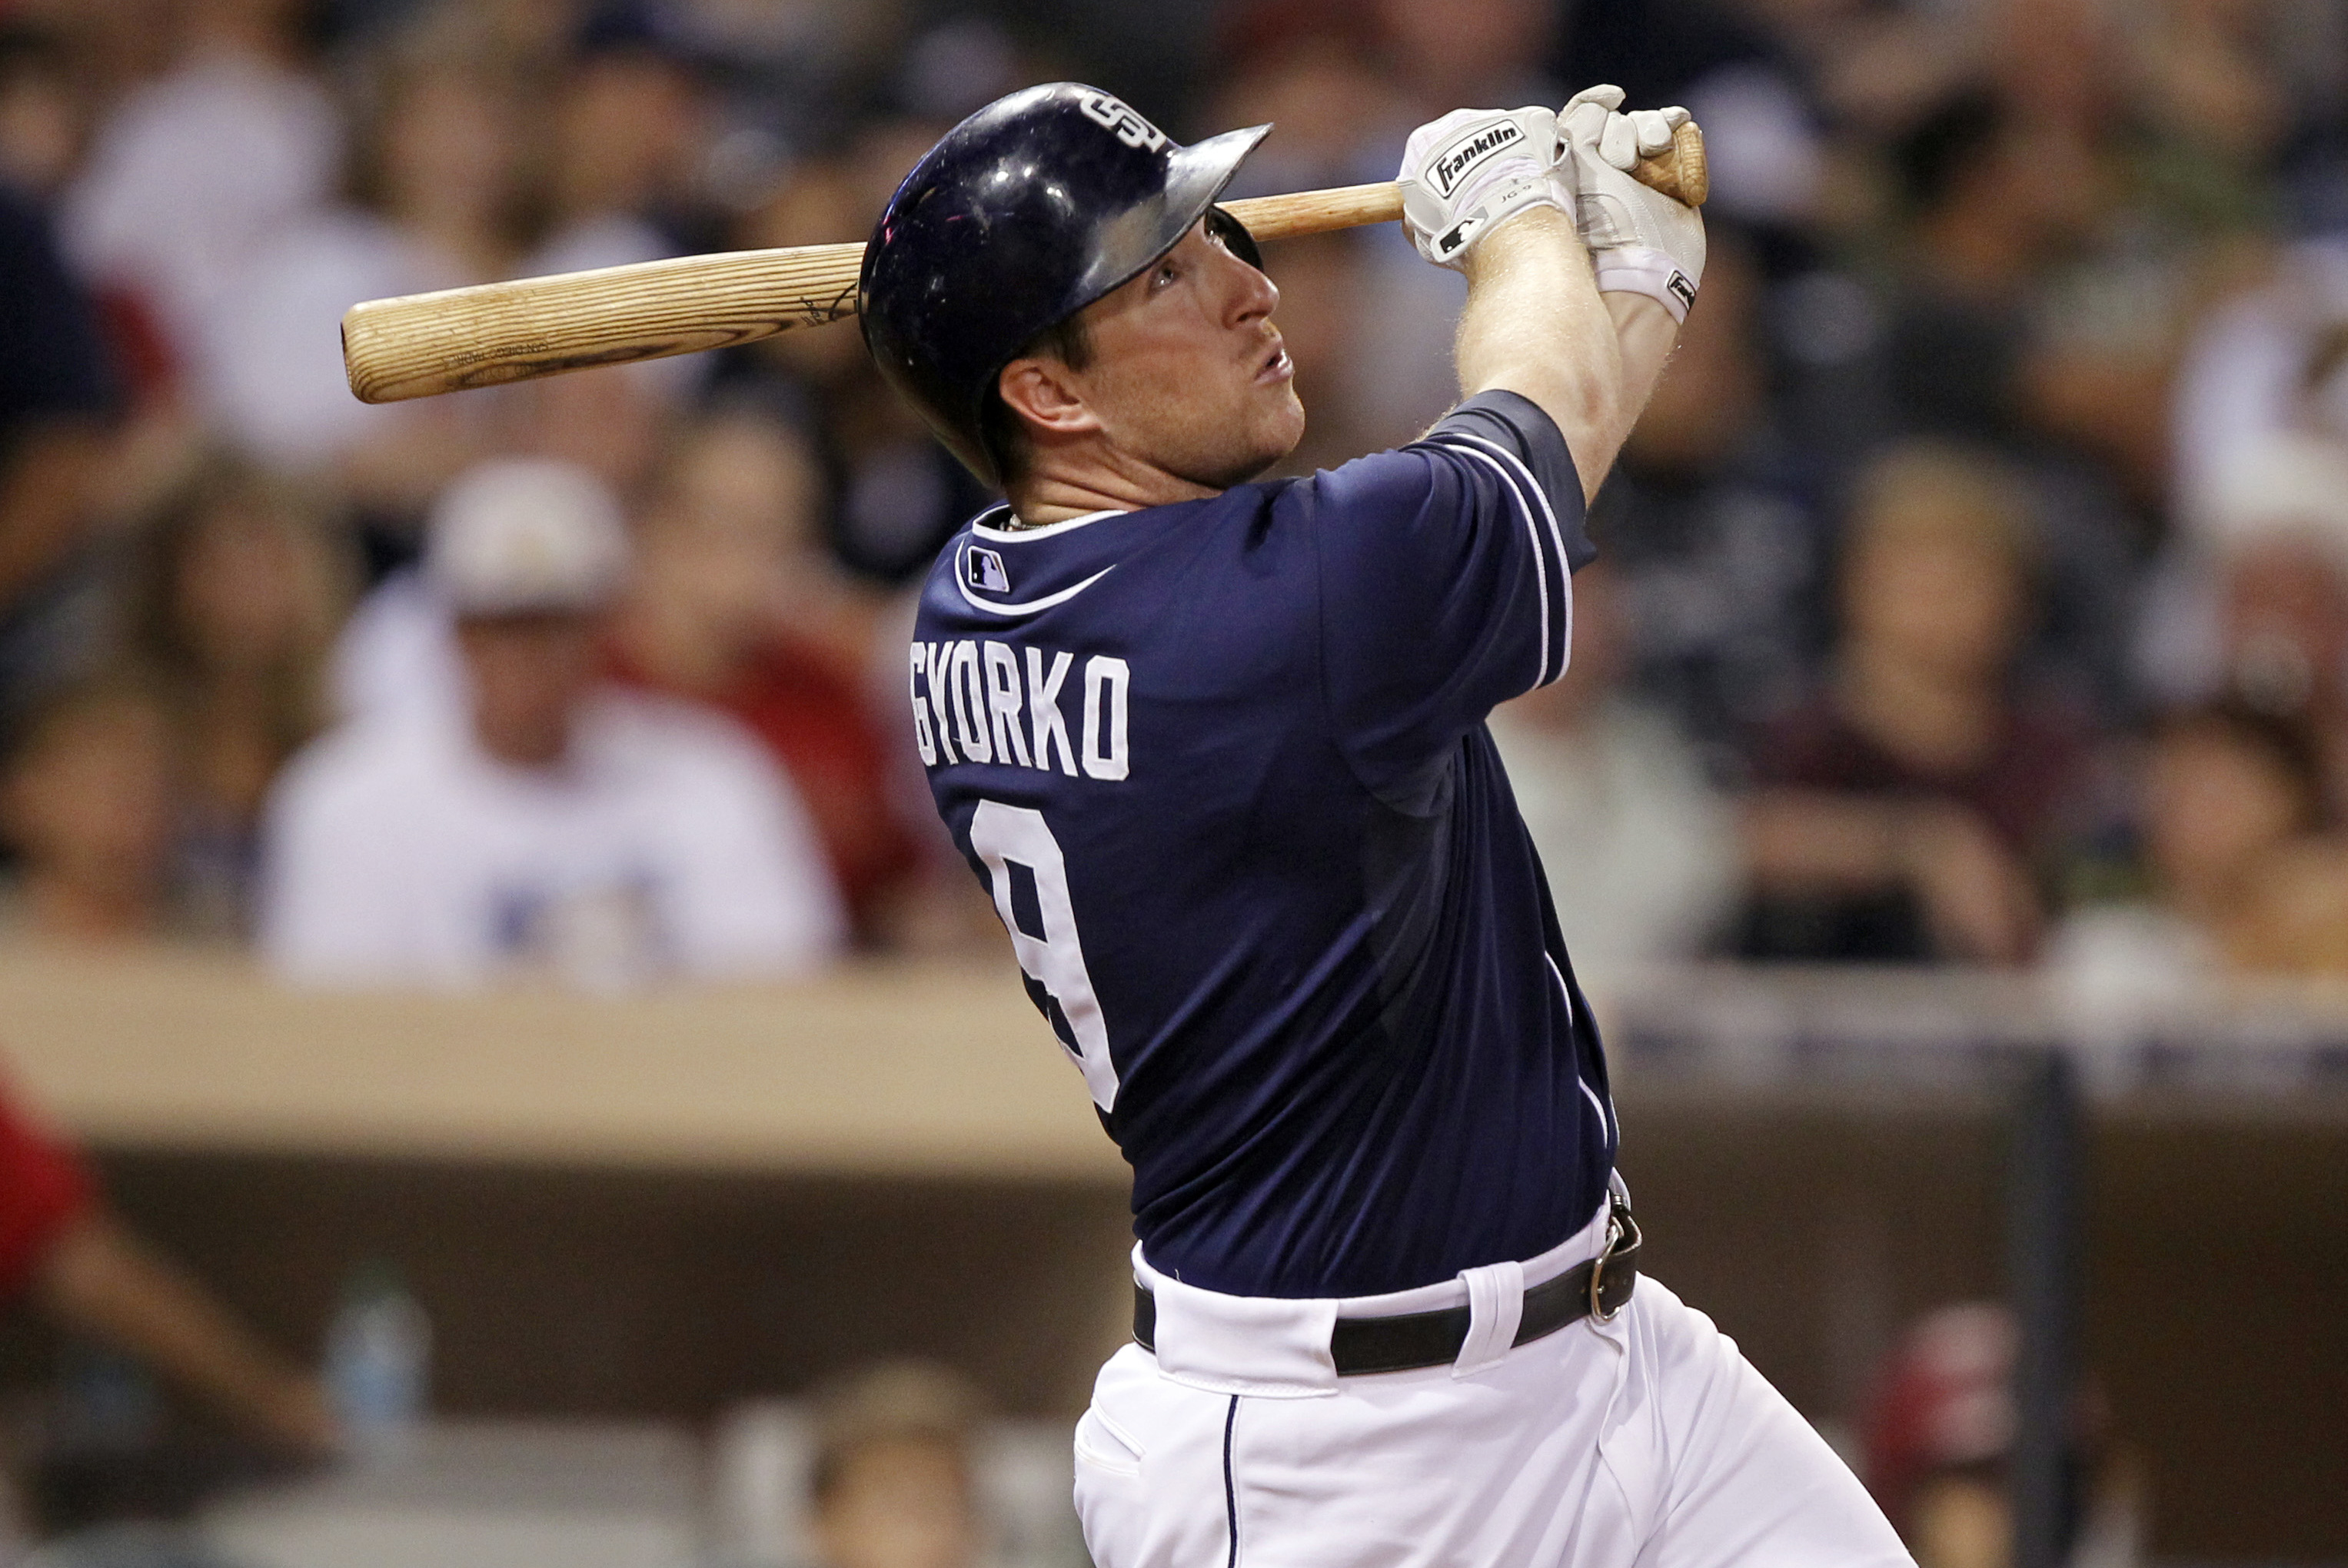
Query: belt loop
{"points": [[1496, 1309]]}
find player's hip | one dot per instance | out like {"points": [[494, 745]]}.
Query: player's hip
{"points": [[1574, 1448], [1239, 1419]]}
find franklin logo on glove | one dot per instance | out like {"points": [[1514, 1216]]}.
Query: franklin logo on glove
{"points": [[1456, 160], [1473, 170]]}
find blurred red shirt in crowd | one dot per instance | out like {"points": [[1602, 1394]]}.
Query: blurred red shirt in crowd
{"points": [[44, 1188]]}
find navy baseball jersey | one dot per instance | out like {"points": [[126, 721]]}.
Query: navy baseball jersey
{"points": [[1223, 766]]}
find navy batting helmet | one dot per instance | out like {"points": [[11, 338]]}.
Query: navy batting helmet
{"points": [[1020, 217]]}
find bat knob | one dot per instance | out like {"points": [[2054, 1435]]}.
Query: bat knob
{"points": [[1681, 171]]}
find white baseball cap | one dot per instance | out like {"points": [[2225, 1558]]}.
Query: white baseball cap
{"points": [[2288, 484], [518, 535]]}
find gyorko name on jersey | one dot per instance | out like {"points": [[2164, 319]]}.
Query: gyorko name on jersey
{"points": [[987, 701]]}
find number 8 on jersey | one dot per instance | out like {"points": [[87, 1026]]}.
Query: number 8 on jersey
{"points": [[1030, 882]]}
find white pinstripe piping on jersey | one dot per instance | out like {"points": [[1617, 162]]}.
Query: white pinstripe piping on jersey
{"points": [[1497, 454], [1532, 532], [1021, 535], [1606, 1122], [1548, 514], [1030, 606]]}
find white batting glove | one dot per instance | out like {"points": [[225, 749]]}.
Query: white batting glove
{"points": [[1641, 241], [1463, 175]]}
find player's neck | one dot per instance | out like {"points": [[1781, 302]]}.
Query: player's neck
{"points": [[1077, 485]]}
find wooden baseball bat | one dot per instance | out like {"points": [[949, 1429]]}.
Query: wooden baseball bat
{"points": [[419, 344]]}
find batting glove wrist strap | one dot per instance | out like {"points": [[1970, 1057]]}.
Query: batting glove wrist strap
{"points": [[1465, 174], [1640, 269]]}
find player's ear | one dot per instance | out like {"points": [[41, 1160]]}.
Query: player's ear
{"points": [[1047, 395]]}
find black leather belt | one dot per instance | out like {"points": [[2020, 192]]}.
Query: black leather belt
{"points": [[1599, 1288]]}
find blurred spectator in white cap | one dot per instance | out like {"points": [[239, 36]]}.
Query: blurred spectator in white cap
{"points": [[2255, 601], [550, 825]]}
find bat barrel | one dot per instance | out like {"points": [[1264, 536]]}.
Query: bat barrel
{"points": [[419, 344]]}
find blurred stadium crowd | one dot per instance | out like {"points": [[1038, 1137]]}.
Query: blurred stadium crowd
{"points": [[1976, 589]]}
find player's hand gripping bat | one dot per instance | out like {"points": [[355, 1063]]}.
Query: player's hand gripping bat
{"points": [[419, 344]]}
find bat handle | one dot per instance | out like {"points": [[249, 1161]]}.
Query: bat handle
{"points": [[1680, 172], [1318, 211]]}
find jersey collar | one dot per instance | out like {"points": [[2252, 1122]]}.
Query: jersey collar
{"points": [[1019, 536]]}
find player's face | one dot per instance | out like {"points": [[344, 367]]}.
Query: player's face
{"points": [[1188, 373]]}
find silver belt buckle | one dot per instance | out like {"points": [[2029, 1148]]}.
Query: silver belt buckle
{"points": [[1620, 1227]]}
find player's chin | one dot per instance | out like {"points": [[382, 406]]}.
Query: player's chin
{"points": [[1270, 437], [1281, 426]]}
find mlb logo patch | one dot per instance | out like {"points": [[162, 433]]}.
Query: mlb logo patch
{"points": [[985, 569]]}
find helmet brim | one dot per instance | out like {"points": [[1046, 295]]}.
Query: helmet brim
{"points": [[1196, 176]]}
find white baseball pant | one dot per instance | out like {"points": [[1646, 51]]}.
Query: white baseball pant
{"points": [[1646, 1442]]}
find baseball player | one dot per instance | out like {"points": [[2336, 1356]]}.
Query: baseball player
{"points": [[1217, 748]]}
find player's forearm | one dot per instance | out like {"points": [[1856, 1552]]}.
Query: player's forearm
{"points": [[1646, 335], [1536, 326]]}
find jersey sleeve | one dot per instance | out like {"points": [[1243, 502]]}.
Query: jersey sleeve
{"points": [[1445, 584]]}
